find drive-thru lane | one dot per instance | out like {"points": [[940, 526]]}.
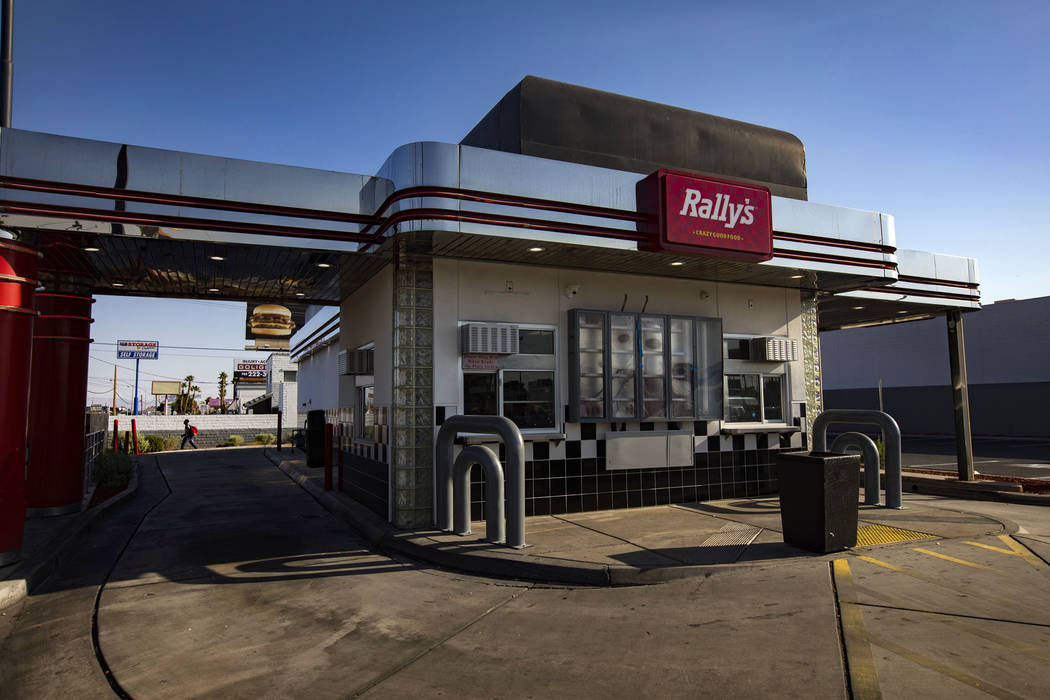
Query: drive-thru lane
{"points": [[237, 584]]}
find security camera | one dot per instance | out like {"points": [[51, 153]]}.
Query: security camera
{"points": [[572, 290]]}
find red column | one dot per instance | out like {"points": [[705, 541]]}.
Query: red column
{"points": [[57, 397], [18, 264]]}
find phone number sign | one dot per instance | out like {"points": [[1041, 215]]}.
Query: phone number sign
{"points": [[137, 349]]}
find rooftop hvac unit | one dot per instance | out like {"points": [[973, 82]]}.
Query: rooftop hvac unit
{"points": [[356, 361], [489, 338], [774, 349]]}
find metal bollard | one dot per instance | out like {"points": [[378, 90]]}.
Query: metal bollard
{"points": [[278, 431], [327, 456]]}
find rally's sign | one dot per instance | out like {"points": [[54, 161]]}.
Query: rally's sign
{"points": [[706, 216], [137, 349], [249, 371]]}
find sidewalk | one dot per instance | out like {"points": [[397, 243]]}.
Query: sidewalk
{"points": [[636, 546]]}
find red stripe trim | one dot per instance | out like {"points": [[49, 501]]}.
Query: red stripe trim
{"points": [[18, 280], [61, 337], [835, 259], [923, 293], [55, 295], [943, 283], [20, 249], [18, 310], [75, 318], [837, 243]]}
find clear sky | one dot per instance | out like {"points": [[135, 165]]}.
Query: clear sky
{"points": [[935, 112]]}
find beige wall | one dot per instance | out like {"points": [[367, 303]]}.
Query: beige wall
{"points": [[366, 316], [479, 291]]}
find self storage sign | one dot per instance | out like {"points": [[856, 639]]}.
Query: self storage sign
{"points": [[137, 349], [706, 216]]}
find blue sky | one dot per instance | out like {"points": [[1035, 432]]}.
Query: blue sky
{"points": [[935, 112]]}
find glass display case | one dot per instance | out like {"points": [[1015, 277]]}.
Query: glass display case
{"points": [[634, 367]]}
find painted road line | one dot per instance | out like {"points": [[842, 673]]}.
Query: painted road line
{"points": [[1037, 651], [964, 590], [943, 668], [945, 557], [1023, 552], [864, 681]]}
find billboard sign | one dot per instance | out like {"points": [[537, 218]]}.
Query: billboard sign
{"points": [[706, 216], [249, 371], [137, 349], [271, 325], [167, 388]]}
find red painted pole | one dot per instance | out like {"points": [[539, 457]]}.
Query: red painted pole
{"points": [[116, 435], [327, 456], [18, 266], [340, 453], [58, 390], [278, 431], [135, 436]]}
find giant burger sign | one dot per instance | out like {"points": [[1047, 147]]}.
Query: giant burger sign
{"points": [[706, 216]]}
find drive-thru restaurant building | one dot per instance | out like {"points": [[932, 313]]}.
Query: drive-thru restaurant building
{"points": [[638, 287]]}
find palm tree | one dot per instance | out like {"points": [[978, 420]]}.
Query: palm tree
{"points": [[222, 392]]}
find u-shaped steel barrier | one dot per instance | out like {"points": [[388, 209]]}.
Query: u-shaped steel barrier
{"points": [[447, 501], [891, 440]]}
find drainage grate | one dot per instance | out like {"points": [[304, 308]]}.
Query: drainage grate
{"points": [[868, 535], [727, 544]]}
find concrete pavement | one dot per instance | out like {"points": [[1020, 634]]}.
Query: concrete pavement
{"points": [[224, 577]]}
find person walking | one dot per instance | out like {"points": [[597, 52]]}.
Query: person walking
{"points": [[188, 431]]}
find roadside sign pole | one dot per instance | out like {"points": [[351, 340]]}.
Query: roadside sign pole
{"points": [[135, 412]]}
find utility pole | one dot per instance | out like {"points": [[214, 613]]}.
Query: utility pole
{"points": [[114, 390]]}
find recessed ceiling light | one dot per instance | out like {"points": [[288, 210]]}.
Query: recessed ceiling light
{"points": [[90, 249], [214, 289], [323, 265], [216, 257], [536, 249], [857, 308], [676, 263], [299, 294], [118, 284], [797, 277], [903, 311]]}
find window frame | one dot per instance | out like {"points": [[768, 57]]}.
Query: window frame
{"points": [[362, 383], [761, 369], [554, 369]]}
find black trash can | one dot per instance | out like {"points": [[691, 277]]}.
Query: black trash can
{"points": [[819, 496], [315, 439]]}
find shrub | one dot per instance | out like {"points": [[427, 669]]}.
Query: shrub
{"points": [[265, 438], [232, 441], [171, 442], [113, 469]]}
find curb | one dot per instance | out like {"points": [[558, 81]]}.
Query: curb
{"points": [[386, 538], [30, 573], [974, 491], [389, 540]]}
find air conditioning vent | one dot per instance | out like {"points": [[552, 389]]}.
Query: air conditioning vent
{"points": [[489, 338], [356, 361], [774, 349]]}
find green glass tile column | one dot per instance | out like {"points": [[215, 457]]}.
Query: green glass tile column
{"points": [[412, 439]]}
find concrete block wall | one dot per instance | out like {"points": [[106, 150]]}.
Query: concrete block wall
{"points": [[212, 429]]}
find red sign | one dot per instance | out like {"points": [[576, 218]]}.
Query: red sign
{"points": [[706, 216]]}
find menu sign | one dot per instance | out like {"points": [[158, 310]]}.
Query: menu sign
{"points": [[706, 216]]}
